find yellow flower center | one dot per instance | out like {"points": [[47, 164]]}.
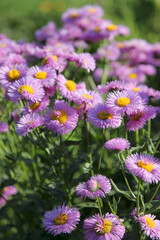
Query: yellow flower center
{"points": [[27, 88], [105, 115], [132, 75], [97, 29], [44, 61], [87, 96], [70, 85], [61, 116], [41, 75], [120, 45], [55, 58], [3, 45], [137, 116], [123, 101], [28, 123], [34, 106], [136, 89], [61, 219], [148, 167], [4, 189], [107, 226], [92, 10], [13, 75], [74, 15], [150, 222], [111, 27]]}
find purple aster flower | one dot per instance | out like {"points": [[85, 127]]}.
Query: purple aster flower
{"points": [[15, 115], [45, 32], [102, 116], [29, 122], [26, 88], [56, 62], [71, 15], [147, 69], [103, 228], [86, 61], [88, 97], [133, 75], [111, 87], [46, 75], [61, 220], [96, 186], [117, 144], [4, 127], [92, 11], [110, 52], [68, 87], [36, 107], [62, 119], [14, 59], [150, 226], [5, 193], [11, 73], [97, 75], [139, 118], [144, 166], [50, 91], [124, 102]]}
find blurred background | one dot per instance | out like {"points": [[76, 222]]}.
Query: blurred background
{"points": [[20, 18]]}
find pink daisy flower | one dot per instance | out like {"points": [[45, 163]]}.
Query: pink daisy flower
{"points": [[139, 118], [56, 62], [26, 88], [61, 220], [62, 119], [36, 107], [11, 73], [117, 144], [6, 192], [111, 87], [150, 226], [102, 116], [29, 122], [4, 127], [46, 75], [103, 228], [124, 102], [86, 61], [84, 96], [144, 166], [96, 186], [68, 87]]}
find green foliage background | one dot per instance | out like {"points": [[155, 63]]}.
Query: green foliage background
{"points": [[20, 18]]}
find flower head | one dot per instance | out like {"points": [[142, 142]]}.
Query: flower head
{"points": [[96, 186], [144, 166], [4, 127], [102, 116], [150, 225], [61, 220], [117, 144], [124, 102], [62, 119], [6, 192], [26, 88], [28, 122], [103, 228]]}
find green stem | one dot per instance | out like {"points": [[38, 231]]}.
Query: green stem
{"points": [[149, 128], [99, 206], [91, 162], [137, 138], [153, 195], [156, 147], [110, 206], [138, 194], [100, 159], [125, 178]]}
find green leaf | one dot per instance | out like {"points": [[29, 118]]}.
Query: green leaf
{"points": [[87, 205], [124, 193]]}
